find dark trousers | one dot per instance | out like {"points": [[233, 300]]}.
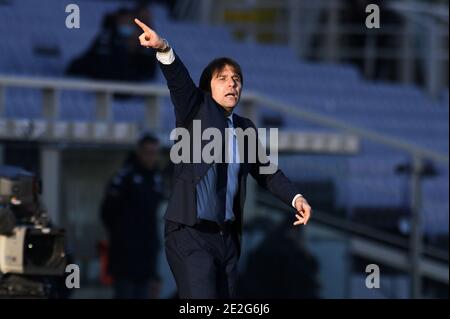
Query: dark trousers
{"points": [[203, 259]]}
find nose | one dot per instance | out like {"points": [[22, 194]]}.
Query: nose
{"points": [[232, 83]]}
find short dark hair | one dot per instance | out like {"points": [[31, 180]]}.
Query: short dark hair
{"points": [[147, 138], [214, 66]]}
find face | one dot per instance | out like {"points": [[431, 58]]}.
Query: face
{"points": [[148, 154], [226, 88]]}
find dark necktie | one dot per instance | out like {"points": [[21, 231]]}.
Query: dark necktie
{"points": [[222, 176]]}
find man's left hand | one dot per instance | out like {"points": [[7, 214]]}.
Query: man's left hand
{"points": [[303, 211]]}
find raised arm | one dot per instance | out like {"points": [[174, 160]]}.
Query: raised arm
{"points": [[185, 95]]}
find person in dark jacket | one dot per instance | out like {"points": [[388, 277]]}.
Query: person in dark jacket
{"points": [[129, 214]]}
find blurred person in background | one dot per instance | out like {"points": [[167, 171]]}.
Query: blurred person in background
{"points": [[129, 214], [115, 55], [283, 252]]}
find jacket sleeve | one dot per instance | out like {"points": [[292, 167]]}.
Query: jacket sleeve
{"points": [[276, 183], [185, 95]]}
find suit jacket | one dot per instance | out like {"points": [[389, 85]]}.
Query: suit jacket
{"points": [[190, 103]]}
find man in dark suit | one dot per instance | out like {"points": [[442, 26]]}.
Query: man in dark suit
{"points": [[204, 214]]}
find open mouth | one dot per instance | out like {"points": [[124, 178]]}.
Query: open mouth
{"points": [[233, 95]]}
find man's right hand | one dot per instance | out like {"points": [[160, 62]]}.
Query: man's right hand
{"points": [[149, 38]]}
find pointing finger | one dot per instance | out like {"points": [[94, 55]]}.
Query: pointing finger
{"points": [[299, 222], [142, 25]]}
